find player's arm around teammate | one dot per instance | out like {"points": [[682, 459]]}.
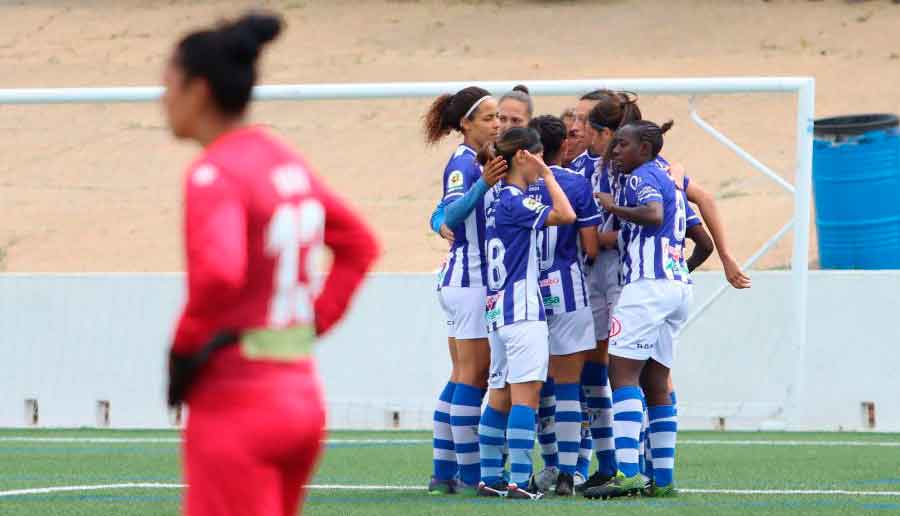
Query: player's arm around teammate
{"points": [[472, 112], [652, 309], [514, 109], [610, 110]]}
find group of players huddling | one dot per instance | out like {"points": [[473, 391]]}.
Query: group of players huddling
{"points": [[565, 288]]}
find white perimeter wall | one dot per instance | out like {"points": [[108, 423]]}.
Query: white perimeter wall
{"points": [[71, 340]]}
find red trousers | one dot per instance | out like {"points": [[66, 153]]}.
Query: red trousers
{"points": [[251, 444]]}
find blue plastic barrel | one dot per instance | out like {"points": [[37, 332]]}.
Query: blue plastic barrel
{"points": [[856, 180]]}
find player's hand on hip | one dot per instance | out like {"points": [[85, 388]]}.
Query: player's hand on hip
{"points": [[494, 170], [446, 233]]}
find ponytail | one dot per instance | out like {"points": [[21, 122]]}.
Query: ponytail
{"points": [[447, 112]]}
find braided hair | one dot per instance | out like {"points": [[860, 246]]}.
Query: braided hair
{"points": [[651, 133]]}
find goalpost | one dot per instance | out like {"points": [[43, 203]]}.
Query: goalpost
{"points": [[803, 87]]}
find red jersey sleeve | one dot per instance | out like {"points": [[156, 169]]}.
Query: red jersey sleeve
{"points": [[215, 229], [354, 248]]}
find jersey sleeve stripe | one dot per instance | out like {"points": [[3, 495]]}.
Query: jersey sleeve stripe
{"points": [[453, 195], [541, 217]]}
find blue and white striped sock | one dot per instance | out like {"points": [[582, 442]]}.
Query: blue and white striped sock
{"points": [[586, 447], [444, 453], [585, 450], [492, 439], [465, 415], [568, 425], [663, 431], [546, 425], [628, 413], [642, 441], [595, 379], [520, 436]]}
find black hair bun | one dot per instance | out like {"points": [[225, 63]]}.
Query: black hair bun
{"points": [[522, 88], [244, 37]]}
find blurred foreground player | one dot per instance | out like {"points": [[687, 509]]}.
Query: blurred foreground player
{"points": [[255, 218]]}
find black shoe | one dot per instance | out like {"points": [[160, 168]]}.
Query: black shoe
{"points": [[595, 480], [518, 493], [565, 485], [497, 489], [618, 486]]}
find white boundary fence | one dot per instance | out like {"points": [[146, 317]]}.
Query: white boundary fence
{"points": [[74, 341], [803, 87]]}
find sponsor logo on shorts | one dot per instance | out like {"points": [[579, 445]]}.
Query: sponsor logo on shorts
{"points": [[615, 327], [674, 252], [494, 307]]}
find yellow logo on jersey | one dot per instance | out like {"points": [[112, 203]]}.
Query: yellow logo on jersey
{"points": [[532, 204], [454, 180]]}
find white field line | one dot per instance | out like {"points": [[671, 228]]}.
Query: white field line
{"points": [[703, 442], [342, 487]]}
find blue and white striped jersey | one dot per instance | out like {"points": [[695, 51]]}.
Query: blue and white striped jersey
{"points": [[653, 252], [585, 164], [464, 264], [513, 223], [562, 280], [604, 182]]}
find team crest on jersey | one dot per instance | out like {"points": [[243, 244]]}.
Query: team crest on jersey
{"points": [[634, 181], [532, 204], [455, 180]]}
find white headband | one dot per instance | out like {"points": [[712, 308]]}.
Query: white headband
{"points": [[474, 107]]}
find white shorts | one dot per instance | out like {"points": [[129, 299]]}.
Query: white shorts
{"points": [[464, 309], [604, 289], [520, 352], [571, 332], [649, 316]]}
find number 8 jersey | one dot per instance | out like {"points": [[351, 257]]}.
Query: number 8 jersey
{"points": [[512, 226], [653, 252]]}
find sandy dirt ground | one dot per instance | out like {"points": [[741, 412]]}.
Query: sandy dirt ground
{"points": [[97, 187]]}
